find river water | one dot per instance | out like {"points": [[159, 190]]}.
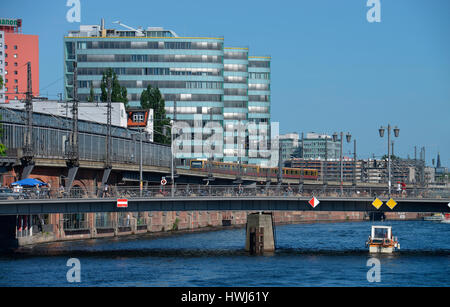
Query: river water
{"points": [[319, 254]]}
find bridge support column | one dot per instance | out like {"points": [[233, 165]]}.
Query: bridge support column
{"points": [[72, 173], [27, 169], [106, 173], [260, 236], [8, 232]]}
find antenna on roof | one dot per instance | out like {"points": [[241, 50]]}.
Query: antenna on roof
{"points": [[138, 32]]}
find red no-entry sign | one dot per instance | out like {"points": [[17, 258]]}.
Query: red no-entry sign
{"points": [[122, 203]]}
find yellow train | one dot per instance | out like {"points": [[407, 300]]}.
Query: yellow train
{"points": [[252, 170]]}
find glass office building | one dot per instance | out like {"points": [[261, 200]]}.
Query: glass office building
{"points": [[259, 108], [203, 79], [236, 104]]}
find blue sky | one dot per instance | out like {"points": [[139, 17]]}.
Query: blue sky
{"points": [[332, 70]]}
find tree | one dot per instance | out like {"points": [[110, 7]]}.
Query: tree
{"points": [[91, 94], [151, 98], [393, 157], [118, 93], [1, 82]]}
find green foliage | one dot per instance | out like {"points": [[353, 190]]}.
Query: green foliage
{"points": [[118, 93], [393, 157], [175, 224], [151, 98], [91, 94], [2, 147], [1, 82]]}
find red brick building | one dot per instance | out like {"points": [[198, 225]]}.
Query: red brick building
{"points": [[18, 49]]}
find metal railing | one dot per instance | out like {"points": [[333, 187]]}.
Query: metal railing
{"points": [[183, 191]]}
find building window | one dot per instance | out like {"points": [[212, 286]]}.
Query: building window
{"points": [[15, 47], [15, 72], [16, 81], [15, 55], [15, 64], [138, 117]]}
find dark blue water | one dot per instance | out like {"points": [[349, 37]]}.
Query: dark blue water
{"points": [[322, 254]]}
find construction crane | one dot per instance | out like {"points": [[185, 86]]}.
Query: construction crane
{"points": [[138, 32]]}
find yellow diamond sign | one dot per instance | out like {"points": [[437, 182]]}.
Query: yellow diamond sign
{"points": [[377, 203], [391, 203]]}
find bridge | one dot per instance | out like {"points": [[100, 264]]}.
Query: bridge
{"points": [[208, 203], [51, 137], [219, 198]]}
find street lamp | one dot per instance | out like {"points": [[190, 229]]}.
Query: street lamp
{"points": [[210, 157], [335, 139], [396, 133], [172, 160]]}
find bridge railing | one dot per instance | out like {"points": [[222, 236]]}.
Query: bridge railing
{"points": [[183, 191]]}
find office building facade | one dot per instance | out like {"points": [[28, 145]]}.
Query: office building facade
{"points": [[17, 50], [289, 144], [200, 80], [235, 101], [259, 99], [316, 145], [2, 65]]}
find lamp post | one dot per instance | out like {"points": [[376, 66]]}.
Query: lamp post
{"points": [[210, 156], [141, 177], [341, 140], [172, 175], [396, 133]]}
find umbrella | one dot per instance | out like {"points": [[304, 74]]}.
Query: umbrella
{"points": [[29, 182]]}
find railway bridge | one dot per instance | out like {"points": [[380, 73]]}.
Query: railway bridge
{"points": [[51, 160]]}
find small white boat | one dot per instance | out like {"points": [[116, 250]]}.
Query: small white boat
{"points": [[446, 219], [437, 217], [381, 240]]}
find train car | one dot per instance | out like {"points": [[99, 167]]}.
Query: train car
{"points": [[229, 168]]}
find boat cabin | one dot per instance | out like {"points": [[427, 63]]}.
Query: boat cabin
{"points": [[381, 232]]}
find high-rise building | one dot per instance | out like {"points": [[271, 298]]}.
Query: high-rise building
{"points": [[235, 102], [259, 99], [17, 50], [200, 78], [2, 65]]}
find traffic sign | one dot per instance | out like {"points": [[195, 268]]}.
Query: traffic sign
{"points": [[122, 203], [163, 181], [377, 203], [391, 203], [314, 202]]}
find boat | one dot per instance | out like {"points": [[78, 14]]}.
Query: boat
{"points": [[446, 219], [437, 217], [381, 240]]}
